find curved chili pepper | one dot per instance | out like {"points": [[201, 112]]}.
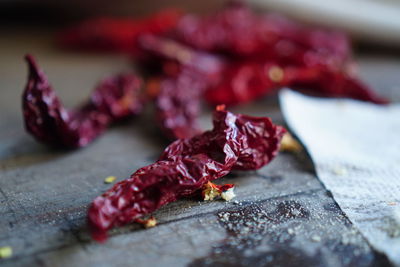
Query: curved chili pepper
{"points": [[185, 166], [49, 122]]}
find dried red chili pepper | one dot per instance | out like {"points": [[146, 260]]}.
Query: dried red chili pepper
{"points": [[49, 122], [237, 31], [185, 166], [117, 35], [188, 74], [291, 43], [325, 82], [168, 51], [257, 54], [260, 146], [246, 82]]}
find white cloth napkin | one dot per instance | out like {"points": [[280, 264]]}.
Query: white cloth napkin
{"points": [[355, 147]]}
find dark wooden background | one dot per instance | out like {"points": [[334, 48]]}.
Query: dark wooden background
{"points": [[282, 214]]}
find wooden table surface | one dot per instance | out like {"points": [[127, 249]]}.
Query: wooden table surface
{"points": [[282, 214]]}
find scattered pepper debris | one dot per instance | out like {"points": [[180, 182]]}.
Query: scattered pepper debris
{"points": [[339, 170], [276, 74], [5, 252], [228, 194], [148, 223], [212, 191], [289, 144], [316, 238], [110, 179]]}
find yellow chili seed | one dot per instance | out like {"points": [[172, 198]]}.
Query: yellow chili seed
{"points": [[276, 74], [5, 252], [110, 179]]}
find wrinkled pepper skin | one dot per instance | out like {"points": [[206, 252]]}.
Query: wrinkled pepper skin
{"points": [[185, 166], [49, 122], [260, 145]]}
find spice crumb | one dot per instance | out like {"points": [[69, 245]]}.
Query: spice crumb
{"points": [[276, 74], [210, 192], [224, 217], [316, 238], [289, 144], [109, 179], [151, 222], [5, 252], [228, 194], [338, 170]]}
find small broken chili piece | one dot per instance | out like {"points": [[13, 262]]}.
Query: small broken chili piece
{"points": [[185, 166], [49, 122], [147, 223], [289, 144], [210, 191]]}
